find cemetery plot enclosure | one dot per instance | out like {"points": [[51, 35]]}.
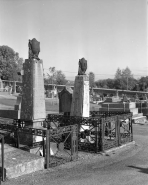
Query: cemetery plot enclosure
{"points": [[101, 131], [54, 140], [62, 136]]}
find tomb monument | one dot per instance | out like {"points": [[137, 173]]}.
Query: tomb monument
{"points": [[80, 100], [33, 110]]}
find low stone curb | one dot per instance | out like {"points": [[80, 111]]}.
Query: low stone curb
{"points": [[120, 147]]}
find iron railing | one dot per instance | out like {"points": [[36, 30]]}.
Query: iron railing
{"points": [[101, 131]]}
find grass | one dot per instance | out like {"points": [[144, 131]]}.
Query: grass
{"points": [[51, 104]]}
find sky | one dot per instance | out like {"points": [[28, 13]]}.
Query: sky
{"points": [[109, 34]]}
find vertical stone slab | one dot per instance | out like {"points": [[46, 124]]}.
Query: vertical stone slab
{"points": [[1, 85], [65, 100], [80, 101], [14, 88], [39, 111], [33, 100], [86, 99]]}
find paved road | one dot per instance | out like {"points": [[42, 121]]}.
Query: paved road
{"points": [[120, 167]]}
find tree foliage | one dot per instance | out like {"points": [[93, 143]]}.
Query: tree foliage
{"points": [[101, 84], [118, 74], [143, 83], [124, 79], [10, 63], [91, 79], [55, 77]]}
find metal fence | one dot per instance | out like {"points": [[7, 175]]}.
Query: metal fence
{"points": [[62, 136], [101, 131], [2, 169], [50, 135]]}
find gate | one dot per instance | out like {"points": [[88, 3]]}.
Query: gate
{"points": [[109, 133], [116, 130], [125, 128], [56, 136], [61, 143], [90, 135]]}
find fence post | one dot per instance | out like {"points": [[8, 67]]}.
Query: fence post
{"points": [[97, 136], [102, 134], [47, 147], [43, 146], [2, 154], [118, 131], [74, 142], [131, 123], [18, 140]]}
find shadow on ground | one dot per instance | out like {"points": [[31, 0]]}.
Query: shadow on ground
{"points": [[142, 170]]}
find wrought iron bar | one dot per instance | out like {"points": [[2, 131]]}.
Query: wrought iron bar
{"points": [[47, 148], [2, 154]]}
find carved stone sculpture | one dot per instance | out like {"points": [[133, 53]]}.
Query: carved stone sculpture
{"points": [[82, 66], [34, 49]]}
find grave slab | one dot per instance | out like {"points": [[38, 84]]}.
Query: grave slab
{"points": [[18, 162]]}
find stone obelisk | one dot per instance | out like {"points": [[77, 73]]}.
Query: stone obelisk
{"points": [[80, 100], [33, 110]]}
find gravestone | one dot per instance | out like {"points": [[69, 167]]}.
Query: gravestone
{"points": [[14, 88], [33, 100], [65, 100], [1, 85], [80, 100], [125, 99]]}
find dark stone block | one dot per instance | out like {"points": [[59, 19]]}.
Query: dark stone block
{"points": [[65, 100]]}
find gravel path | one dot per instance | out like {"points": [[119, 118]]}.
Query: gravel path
{"points": [[126, 166]]}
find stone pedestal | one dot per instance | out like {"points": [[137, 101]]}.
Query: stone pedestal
{"points": [[80, 101], [33, 100], [33, 110]]}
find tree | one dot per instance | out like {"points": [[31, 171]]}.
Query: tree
{"points": [[124, 79], [143, 83], [101, 84], [91, 79], [10, 63], [126, 73], [118, 74], [110, 83], [55, 77], [60, 78]]}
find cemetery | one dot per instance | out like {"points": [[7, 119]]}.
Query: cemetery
{"points": [[33, 139]]}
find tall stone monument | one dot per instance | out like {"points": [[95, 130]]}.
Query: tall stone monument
{"points": [[33, 100], [80, 100]]}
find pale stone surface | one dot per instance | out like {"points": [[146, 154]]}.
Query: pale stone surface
{"points": [[124, 105], [1, 85], [14, 87], [33, 100], [86, 99], [17, 106], [18, 162], [80, 101]]}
